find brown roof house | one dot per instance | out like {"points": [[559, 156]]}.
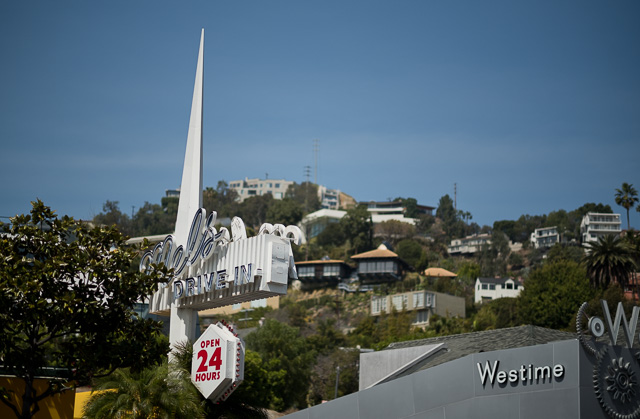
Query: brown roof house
{"points": [[380, 266]]}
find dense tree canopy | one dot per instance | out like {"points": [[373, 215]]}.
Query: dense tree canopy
{"points": [[67, 301], [553, 293]]}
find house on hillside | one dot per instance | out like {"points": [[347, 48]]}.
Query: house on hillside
{"points": [[379, 266], [595, 226], [423, 303], [314, 274], [487, 289], [545, 237], [469, 245]]}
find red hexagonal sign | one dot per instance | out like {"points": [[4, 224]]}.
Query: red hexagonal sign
{"points": [[217, 367]]}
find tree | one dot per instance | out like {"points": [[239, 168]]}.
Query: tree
{"points": [[221, 199], [288, 360], [305, 194], [412, 253], [608, 260], [393, 231], [553, 293], [253, 211], [111, 215], [627, 197], [358, 228], [156, 392], [66, 301], [152, 219], [284, 211]]}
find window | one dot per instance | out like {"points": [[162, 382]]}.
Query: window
{"points": [[418, 299], [400, 302], [430, 299], [492, 286], [509, 285], [422, 316], [485, 286], [277, 185], [306, 271], [259, 303], [378, 305], [331, 270]]}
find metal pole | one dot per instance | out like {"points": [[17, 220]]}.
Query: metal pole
{"points": [[337, 381]]}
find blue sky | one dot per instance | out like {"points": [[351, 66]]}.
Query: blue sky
{"points": [[529, 107]]}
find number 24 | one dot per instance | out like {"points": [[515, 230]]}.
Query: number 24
{"points": [[215, 360]]}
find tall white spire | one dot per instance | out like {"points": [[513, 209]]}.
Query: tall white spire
{"points": [[191, 186], [184, 320]]}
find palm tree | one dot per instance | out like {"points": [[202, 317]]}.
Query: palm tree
{"points": [[627, 197], [156, 392], [608, 260]]}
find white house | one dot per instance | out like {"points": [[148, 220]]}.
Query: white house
{"points": [[491, 288], [469, 245], [595, 226], [545, 237], [256, 187]]}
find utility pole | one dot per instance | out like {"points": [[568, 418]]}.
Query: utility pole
{"points": [[455, 197], [316, 149]]}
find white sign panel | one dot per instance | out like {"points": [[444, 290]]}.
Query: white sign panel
{"points": [[217, 367], [214, 269]]}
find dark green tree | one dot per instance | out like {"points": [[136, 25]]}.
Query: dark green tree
{"points": [[253, 211], [112, 216], [553, 293], [305, 194], [608, 260], [67, 301], [358, 228], [221, 199], [627, 197], [411, 252], [152, 219], [284, 211], [288, 360]]}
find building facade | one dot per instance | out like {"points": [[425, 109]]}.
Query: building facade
{"points": [[469, 245], [594, 226], [487, 289], [422, 303], [545, 237], [257, 187]]}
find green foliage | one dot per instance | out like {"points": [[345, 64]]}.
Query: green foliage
{"points": [[393, 231], [627, 197], [67, 300], [562, 252], [493, 258], [497, 314], [358, 228], [253, 211], [288, 360], [156, 392], [339, 365], [469, 271], [412, 252], [284, 211], [112, 216], [221, 199], [608, 260], [305, 194], [553, 293]]}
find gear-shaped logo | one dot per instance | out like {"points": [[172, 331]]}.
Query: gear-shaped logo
{"points": [[615, 371]]}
